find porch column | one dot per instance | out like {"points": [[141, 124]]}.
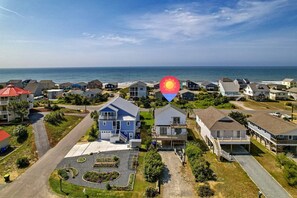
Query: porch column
{"points": [[231, 148], [249, 147]]}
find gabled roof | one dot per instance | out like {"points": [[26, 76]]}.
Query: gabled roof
{"points": [[95, 82], [46, 81], [206, 83], [3, 135], [160, 110], [242, 80], [11, 90], [258, 87], [185, 91], [292, 90], [215, 119], [120, 103], [189, 81], [226, 80], [112, 83], [288, 80], [272, 124], [14, 81], [81, 83], [229, 86], [32, 87], [95, 91], [138, 83]]}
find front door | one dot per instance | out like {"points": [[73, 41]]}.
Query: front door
{"points": [[130, 136]]}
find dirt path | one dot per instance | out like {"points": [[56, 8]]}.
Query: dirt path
{"points": [[241, 105], [177, 181]]}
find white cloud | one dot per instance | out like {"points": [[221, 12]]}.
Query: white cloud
{"points": [[10, 11], [185, 23], [109, 39]]}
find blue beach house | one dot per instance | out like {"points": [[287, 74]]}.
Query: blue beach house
{"points": [[119, 121]]}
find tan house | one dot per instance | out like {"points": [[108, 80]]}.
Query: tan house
{"points": [[12, 93], [275, 133], [222, 134], [289, 83], [293, 92], [278, 95]]}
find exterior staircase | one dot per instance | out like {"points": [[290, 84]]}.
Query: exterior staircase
{"points": [[123, 137], [219, 151]]}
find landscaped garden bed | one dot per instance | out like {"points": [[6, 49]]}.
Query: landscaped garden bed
{"points": [[110, 161], [97, 177], [81, 159]]}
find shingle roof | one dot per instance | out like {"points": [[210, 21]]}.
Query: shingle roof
{"points": [[3, 135], [230, 86], [138, 83], [32, 87], [160, 110], [123, 104], [205, 83], [215, 119], [272, 124], [258, 87], [226, 80], [11, 90], [185, 91], [292, 90], [288, 80]]}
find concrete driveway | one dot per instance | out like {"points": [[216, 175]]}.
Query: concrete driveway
{"points": [[265, 182], [175, 183], [41, 138]]}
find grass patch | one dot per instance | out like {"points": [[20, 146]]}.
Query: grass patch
{"points": [[147, 118], [77, 191], [25, 149], [274, 105], [81, 159], [57, 132], [232, 181], [268, 161]]}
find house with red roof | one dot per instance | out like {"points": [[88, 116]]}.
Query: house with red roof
{"points": [[12, 93], [4, 140]]}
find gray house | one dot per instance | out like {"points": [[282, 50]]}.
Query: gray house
{"points": [[138, 90], [209, 86], [34, 88], [186, 95], [242, 83], [111, 86], [192, 85]]}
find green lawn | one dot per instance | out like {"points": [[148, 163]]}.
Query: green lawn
{"points": [[77, 191], [147, 118], [202, 104], [277, 105], [57, 132], [25, 149], [232, 181], [268, 161]]}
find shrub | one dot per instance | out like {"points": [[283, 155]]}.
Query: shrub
{"points": [[289, 168], [151, 192], [55, 117], [153, 166], [288, 104], [193, 151], [22, 162], [108, 187], [205, 191], [96, 177], [239, 117], [63, 173], [201, 170], [81, 159], [21, 133]]}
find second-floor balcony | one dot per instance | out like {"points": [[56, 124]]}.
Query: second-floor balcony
{"points": [[3, 112], [233, 140], [3, 102], [178, 124], [107, 117], [283, 141]]}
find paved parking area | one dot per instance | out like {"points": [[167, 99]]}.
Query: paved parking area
{"points": [[267, 184], [95, 147], [176, 183]]}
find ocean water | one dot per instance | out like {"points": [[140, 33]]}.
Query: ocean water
{"points": [[148, 74]]}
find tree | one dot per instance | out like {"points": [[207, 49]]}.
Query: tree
{"points": [[153, 166], [205, 191], [239, 117], [22, 162], [21, 133], [21, 108]]}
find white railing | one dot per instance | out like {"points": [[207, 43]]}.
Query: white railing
{"points": [[103, 117], [3, 112], [219, 151], [3, 102], [246, 138], [123, 137]]}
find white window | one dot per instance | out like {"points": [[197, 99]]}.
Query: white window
{"points": [[128, 123], [104, 123]]}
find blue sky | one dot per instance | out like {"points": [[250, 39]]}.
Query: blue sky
{"points": [[62, 33]]}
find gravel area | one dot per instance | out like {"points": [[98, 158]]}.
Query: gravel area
{"points": [[82, 168]]}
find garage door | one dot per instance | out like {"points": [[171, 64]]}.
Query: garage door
{"points": [[105, 135]]}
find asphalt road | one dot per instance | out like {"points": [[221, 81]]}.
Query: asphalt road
{"points": [[265, 182], [41, 138], [34, 182]]}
